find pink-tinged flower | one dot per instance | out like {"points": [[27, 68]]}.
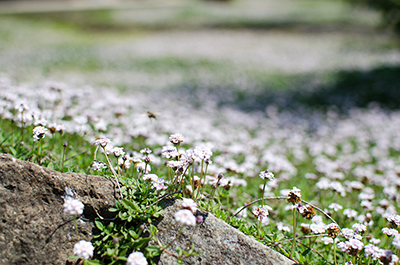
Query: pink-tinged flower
{"points": [[118, 151], [373, 251], [83, 249], [352, 246], [396, 242], [176, 139], [185, 217], [202, 153], [394, 220], [169, 152], [327, 240], [146, 151], [261, 212], [266, 175], [152, 177], [189, 204], [159, 184], [73, 206], [39, 132], [97, 165], [387, 257], [136, 258], [102, 142], [335, 207], [390, 231], [359, 228]]}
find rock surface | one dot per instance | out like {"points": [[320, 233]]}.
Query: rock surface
{"points": [[35, 230]]}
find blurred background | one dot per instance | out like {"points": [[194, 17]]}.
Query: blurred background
{"points": [[244, 53]]}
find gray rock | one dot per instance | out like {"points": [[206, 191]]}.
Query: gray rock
{"points": [[216, 241], [35, 230]]}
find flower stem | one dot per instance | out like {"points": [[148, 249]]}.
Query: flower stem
{"points": [[294, 232], [113, 171], [76, 226], [263, 192]]}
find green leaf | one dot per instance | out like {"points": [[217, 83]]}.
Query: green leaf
{"points": [[153, 251], [141, 242], [130, 205], [92, 262], [179, 251], [99, 225]]}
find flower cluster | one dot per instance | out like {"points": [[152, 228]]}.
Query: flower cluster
{"points": [[73, 206], [83, 249]]}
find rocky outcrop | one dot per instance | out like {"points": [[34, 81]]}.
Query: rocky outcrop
{"points": [[35, 230]]}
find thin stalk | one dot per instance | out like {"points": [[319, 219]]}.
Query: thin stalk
{"points": [[253, 202], [113, 171], [63, 157], [263, 192], [76, 226], [334, 252], [294, 232]]}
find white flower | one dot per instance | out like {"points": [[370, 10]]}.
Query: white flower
{"points": [[143, 167], [152, 177], [169, 152], [102, 142], [39, 132], [371, 250], [359, 228], [97, 165], [83, 249], [118, 151], [396, 241], [318, 228], [185, 217], [136, 258], [335, 206], [282, 227], [202, 153], [159, 184], [327, 240], [176, 138], [266, 175], [390, 231], [261, 212], [73, 206], [394, 219], [189, 204], [350, 213]]}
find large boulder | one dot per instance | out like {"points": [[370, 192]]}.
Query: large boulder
{"points": [[35, 230]]}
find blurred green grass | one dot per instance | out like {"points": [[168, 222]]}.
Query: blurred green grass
{"points": [[95, 47]]}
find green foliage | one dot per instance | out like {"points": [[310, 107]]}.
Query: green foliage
{"points": [[132, 229], [390, 10]]}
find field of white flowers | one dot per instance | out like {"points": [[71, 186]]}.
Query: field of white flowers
{"points": [[135, 91]]}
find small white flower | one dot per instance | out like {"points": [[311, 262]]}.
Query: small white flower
{"points": [[97, 165], [266, 175], [176, 138], [390, 231], [136, 258], [335, 206], [327, 240], [159, 184], [102, 142], [189, 204], [83, 249], [73, 206], [152, 177], [39, 132], [185, 217], [118, 151]]}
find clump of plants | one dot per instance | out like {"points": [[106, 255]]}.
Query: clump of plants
{"points": [[329, 195]]}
